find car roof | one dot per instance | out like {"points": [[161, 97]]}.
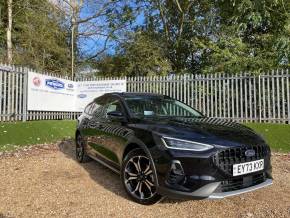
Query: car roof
{"points": [[135, 94], [131, 95]]}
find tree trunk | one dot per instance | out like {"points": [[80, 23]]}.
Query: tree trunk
{"points": [[75, 6], [9, 32], [72, 45]]}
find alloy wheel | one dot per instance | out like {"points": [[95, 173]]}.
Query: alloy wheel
{"points": [[79, 148], [138, 177]]}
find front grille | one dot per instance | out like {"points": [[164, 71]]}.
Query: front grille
{"points": [[240, 183], [225, 159]]}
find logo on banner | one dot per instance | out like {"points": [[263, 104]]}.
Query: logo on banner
{"points": [[36, 81], [70, 86], [82, 96], [54, 84]]}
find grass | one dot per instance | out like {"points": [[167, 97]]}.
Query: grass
{"points": [[18, 134], [276, 135]]}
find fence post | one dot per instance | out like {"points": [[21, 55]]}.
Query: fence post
{"points": [[25, 93], [288, 95], [259, 98], [184, 97]]}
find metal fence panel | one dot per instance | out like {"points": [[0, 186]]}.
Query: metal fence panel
{"points": [[11, 93], [243, 97]]}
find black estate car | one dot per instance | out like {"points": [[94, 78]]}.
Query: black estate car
{"points": [[162, 147]]}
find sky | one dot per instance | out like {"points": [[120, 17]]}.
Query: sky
{"points": [[95, 43], [90, 45]]}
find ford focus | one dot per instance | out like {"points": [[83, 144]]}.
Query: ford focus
{"points": [[163, 147]]}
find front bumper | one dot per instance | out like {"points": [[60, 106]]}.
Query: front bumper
{"points": [[198, 176], [208, 191], [241, 191]]}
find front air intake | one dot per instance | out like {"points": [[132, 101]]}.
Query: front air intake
{"points": [[225, 159]]}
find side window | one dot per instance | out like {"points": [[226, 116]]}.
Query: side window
{"points": [[114, 105], [101, 106], [98, 110], [94, 107], [88, 108], [91, 108]]}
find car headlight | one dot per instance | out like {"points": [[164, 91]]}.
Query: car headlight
{"points": [[180, 144]]}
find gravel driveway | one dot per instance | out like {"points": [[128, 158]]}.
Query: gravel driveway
{"points": [[46, 181]]}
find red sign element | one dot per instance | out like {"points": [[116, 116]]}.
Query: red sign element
{"points": [[36, 81]]}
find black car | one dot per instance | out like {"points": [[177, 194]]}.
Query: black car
{"points": [[162, 147]]}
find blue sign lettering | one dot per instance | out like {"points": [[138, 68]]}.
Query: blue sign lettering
{"points": [[54, 84], [82, 96]]}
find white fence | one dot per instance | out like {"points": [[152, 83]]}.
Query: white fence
{"points": [[243, 97], [13, 97]]}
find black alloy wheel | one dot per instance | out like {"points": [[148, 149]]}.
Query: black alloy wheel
{"points": [[138, 178], [80, 150]]}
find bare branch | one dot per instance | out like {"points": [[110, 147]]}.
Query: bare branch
{"points": [[165, 24], [181, 24], [99, 52], [178, 6], [99, 13]]}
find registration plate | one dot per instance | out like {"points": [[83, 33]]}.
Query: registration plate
{"points": [[249, 167]]}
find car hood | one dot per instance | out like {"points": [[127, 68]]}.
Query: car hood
{"points": [[206, 130]]}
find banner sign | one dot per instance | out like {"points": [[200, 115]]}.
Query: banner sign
{"points": [[88, 90], [47, 93]]}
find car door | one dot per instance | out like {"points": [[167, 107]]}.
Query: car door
{"points": [[85, 121], [95, 113], [115, 131], [104, 135]]}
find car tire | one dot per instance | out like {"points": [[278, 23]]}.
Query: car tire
{"points": [[81, 155], [138, 177]]}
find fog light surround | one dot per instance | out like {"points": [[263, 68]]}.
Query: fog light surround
{"points": [[176, 168]]}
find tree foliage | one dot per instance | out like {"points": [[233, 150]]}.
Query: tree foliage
{"points": [[219, 36], [151, 37], [254, 35], [39, 36], [140, 55]]}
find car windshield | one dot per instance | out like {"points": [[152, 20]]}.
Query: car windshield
{"points": [[154, 106]]}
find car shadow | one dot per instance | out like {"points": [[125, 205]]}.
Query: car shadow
{"points": [[109, 179]]}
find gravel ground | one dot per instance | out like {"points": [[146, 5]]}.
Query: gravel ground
{"points": [[46, 181]]}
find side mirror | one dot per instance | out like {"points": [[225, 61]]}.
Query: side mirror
{"points": [[116, 116]]}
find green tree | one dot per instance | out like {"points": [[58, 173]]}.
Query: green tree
{"points": [[39, 35], [111, 65], [254, 36], [220, 36], [145, 56], [181, 25], [139, 55]]}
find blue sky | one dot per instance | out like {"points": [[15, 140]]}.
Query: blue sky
{"points": [[96, 43]]}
